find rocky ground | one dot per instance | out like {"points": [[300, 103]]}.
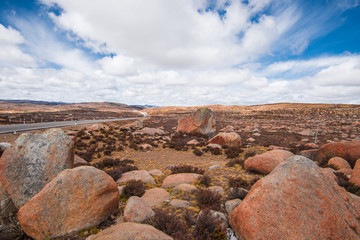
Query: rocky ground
{"points": [[188, 188]]}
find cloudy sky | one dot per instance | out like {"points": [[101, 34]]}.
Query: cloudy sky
{"points": [[181, 52]]}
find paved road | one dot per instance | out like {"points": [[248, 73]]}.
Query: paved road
{"points": [[36, 126]]}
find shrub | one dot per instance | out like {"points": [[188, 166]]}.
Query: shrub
{"points": [[134, 188], [186, 169], [115, 173], [240, 182], [170, 224], [205, 180], [208, 200], [208, 228], [197, 152], [232, 162], [249, 153], [215, 151], [233, 152]]}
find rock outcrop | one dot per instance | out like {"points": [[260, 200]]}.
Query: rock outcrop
{"points": [[33, 161], [276, 206], [126, 231], [77, 198], [200, 122], [230, 139]]}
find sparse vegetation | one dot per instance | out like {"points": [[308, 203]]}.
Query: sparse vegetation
{"points": [[134, 188], [170, 224], [186, 169], [208, 228], [208, 200]]}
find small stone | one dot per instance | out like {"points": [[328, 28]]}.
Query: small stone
{"points": [[137, 210], [155, 197], [156, 172], [216, 189], [231, 205]]}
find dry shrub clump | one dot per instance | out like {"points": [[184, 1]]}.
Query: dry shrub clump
{"points": [[239, 186], [170, 224], [208, 200], [186, 169], [205, 180], [197, 152], [233, 152], [134, 188], [209, 228], [232, 162]]}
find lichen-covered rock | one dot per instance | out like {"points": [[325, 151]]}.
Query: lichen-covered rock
{"points": [[297, 201], [33, 161], [131, 231], [200, 122], [77, 198]]}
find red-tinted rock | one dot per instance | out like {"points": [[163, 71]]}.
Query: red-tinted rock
{"points": [[33, 161], [131, 231], [177, 179], [155, 197], [77, 198], [297, 201], [266, 162], [355, 176], [200, 122], [137, 210], [231, 139], [78, 161], [338, 163], [350, 151], [141, 175], [311, 153]]}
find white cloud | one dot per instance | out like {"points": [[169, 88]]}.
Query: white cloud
{"points": [[173, 33], [10, 53]]}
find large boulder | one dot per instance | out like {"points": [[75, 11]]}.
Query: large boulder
{"points": [[297, 201], [200, 122], [33, 161], [266, 162], [129, 230], [77, 198], [350, 151], [179, 178], [230, 139]]}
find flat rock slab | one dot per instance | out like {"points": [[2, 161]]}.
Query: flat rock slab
{"points": [[77, 198], [33, 161], [176, 179], [155, 197], [141, 175], [134, 231]]}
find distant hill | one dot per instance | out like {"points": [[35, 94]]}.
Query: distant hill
{"points": [[24, 106]]}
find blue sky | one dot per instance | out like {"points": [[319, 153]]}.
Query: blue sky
{"points": [[190, 52]]}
